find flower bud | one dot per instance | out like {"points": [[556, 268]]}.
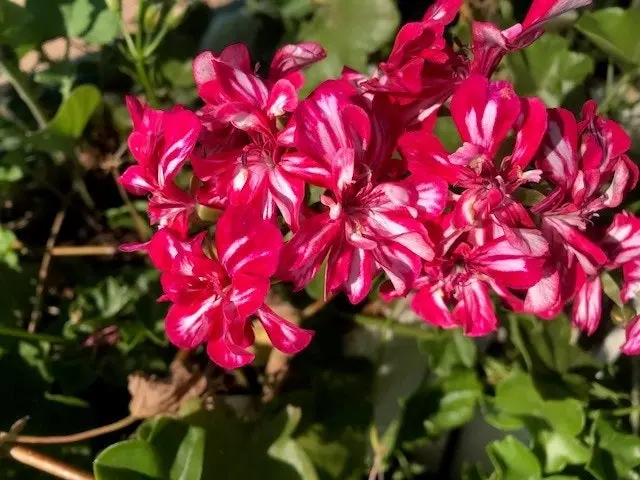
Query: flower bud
{"points": [[114, 5], [176, 14], [151, 16]]}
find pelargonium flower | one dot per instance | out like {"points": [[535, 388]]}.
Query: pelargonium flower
{"points": [[484, 113], [253, 169], [589, 171], [464, 270], [161, 142], [215, 297], [371, 221]]}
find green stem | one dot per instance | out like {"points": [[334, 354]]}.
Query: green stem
{"points": [[34, 337], [634, 415], [613, 91], [405, 330], [19, 82], [146, 83]]}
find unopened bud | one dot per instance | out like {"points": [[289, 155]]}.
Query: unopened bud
{"points": [[151, 17], [114, 5], [176, 14]]}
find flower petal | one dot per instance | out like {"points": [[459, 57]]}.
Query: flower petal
{"points": [[284, 335]]}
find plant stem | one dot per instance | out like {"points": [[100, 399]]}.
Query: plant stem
{"points": [[613, 91], [406, 330], [34, 337], [76, 437], [19, 81], [144, 80], [634, 414], [46, 464]]}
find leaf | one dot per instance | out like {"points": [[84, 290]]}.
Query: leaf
{"points": [[128, 460], [75, 112], [287, 449], [448, 350], [448, 134], [623, 447], [548, 69], [190, 456], [350, 31], [615, 31], [77, 16], [517, 396], [513, 460], [8, 255], [104, 29], [611, 288], [561, 450], [315, 288]]}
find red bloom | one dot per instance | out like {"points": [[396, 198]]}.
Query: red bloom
{"points": [[161, 142], [371, 222], [214, 298], [464, 270], [252, 169]]}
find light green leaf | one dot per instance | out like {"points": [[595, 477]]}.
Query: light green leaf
{"points": [[513, 460], [458, 396], [104, 29], [562, 450], [8, 255], [517, 396], [128, 460], [449, 349], [77, 16], [615, 31], [623, 447], [75, 112], [287, 449], [350, 31], [549, 69], [189, 458]]}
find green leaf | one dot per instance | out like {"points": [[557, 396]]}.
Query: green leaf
{"points": [[615, 31], [350, 31], [75, 112], [513, 460], [561, 450], [449, 349], [623, 447], [289, 451], [104, 29], [445, 129], [611, 288], [517, 396], [77, 16], [548, 69], [315, 288], [8, 255], [190, 456], [128, 460]]}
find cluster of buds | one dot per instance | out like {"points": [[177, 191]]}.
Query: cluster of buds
{"points": [[515, 210]]}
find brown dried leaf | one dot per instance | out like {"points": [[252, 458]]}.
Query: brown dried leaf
{"points": [[151, 396]]}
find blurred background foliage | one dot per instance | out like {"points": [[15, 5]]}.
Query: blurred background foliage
{"points": [[378, 394]]}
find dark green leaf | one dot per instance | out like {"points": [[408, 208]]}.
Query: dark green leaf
{"points": [[190, 456], [513, 460], [615, 31], [128, 460], [548, 69], [350, 31]]}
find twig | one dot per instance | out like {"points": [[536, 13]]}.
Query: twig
{"points": [[144, 232], [84, 251], [313, 308], [76, 437], [44, 269], [46, 464]]}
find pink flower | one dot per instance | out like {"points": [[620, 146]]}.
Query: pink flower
{"points": [[632, 343], [464, 271], [371, 223], [161, 142], [484, 113], [490, 44], [214, 298], [249, 111]]}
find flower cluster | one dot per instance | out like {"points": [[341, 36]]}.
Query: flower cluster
{"points": [[514, 210]]}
